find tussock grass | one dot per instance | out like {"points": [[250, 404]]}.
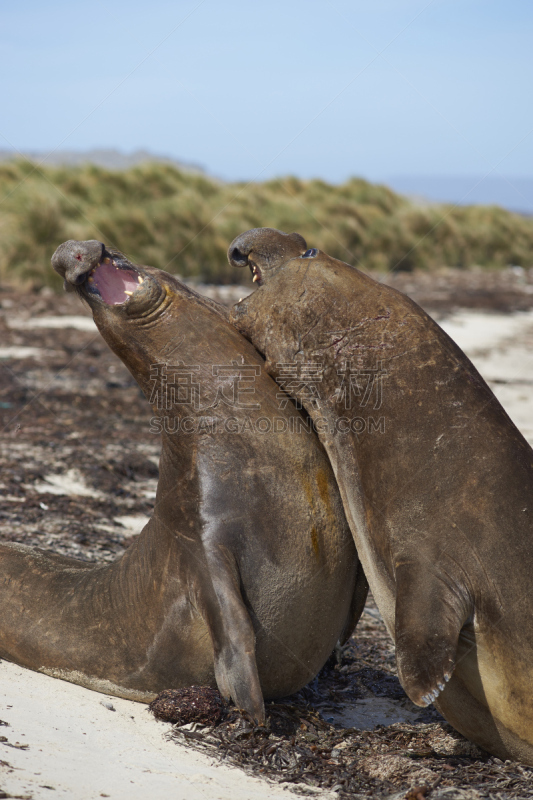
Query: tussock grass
{"points": [[184, 222]]}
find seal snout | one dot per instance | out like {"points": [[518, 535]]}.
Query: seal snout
{"points": [[240, 258], [106, 275], [73, 260], [264, 249], [237, 258]]}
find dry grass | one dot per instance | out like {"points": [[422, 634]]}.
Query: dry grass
{"points": [[183, 222]]}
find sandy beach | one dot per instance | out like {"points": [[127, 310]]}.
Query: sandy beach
{"points": [[67, 741]]}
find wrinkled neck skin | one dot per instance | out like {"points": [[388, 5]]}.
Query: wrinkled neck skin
{"points": [[159, 333], [165, 333]]}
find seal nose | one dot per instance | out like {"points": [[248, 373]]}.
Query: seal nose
{"points": [[73, 260], [268, 248], [237, 258], [241, 247]]}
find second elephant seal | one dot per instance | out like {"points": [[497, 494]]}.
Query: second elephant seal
{"points": [[436, 480]]}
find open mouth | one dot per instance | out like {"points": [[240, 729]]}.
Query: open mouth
{"points": [[114, 284], [256, 274]]}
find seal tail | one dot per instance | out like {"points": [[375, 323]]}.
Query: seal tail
{"points": [[430, 612]]}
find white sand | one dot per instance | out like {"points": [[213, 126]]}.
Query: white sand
{"points": [[501, 347], [475, 332], [77, 322], [84, 751]]}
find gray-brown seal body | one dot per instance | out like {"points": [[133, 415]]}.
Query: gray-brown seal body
{"points": [[245, 576], [436, 481]]}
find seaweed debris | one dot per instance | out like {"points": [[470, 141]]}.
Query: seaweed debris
{"points": [[199, 704], [299, 747]]}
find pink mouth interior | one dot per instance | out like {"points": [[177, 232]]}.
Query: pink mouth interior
{"points": [[113, 283]]}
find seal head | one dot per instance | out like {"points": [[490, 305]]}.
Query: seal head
{"points": [[263, 250], [74, 259]]}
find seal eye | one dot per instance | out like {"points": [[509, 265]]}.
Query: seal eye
{"points": [[311, 253]]}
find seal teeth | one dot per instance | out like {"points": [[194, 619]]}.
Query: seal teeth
{"points": [[130, 293], [139, 279], [441, 686]]}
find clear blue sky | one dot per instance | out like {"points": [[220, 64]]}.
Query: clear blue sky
{"points": [[251, 90]]}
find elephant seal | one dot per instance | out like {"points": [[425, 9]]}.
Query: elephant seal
{"points": [[436, 481], [246, 575]]}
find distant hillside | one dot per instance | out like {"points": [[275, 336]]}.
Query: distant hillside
{"points": [[106, 158], [183, 221]]}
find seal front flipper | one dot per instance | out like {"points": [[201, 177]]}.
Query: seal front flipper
{"points": [[234, 638], [431, 609]]}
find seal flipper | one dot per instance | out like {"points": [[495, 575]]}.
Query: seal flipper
{"points": [[234, 640], [430, 612]]}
